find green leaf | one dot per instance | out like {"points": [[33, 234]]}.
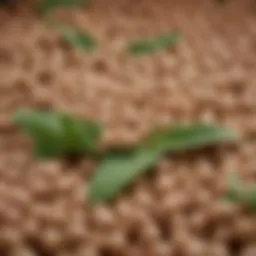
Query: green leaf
{"points": [[118, 170], [78, 39], [186, 137], [240, 193], [47, 6], [56, 134], [143, 47]]}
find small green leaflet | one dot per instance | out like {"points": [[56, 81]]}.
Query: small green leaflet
{"points": [[56, 134], [241, 193], [143, 47], [117, 171], [47, 6], [78, 39]]}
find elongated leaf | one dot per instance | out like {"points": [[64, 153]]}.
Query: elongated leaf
{"points": [[118, 170], [56, 134], [189, 137], [78, 39], [143, 47], [240, 193], [47, 6]]}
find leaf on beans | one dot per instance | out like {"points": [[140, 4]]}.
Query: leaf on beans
{"points": [[118, 170], [80, 40], [144, 47], [56, 134]]}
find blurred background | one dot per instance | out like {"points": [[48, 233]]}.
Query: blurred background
{"points": [[206, 75]]}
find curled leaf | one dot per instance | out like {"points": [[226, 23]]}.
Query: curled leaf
{"points": [[56, 134]]}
